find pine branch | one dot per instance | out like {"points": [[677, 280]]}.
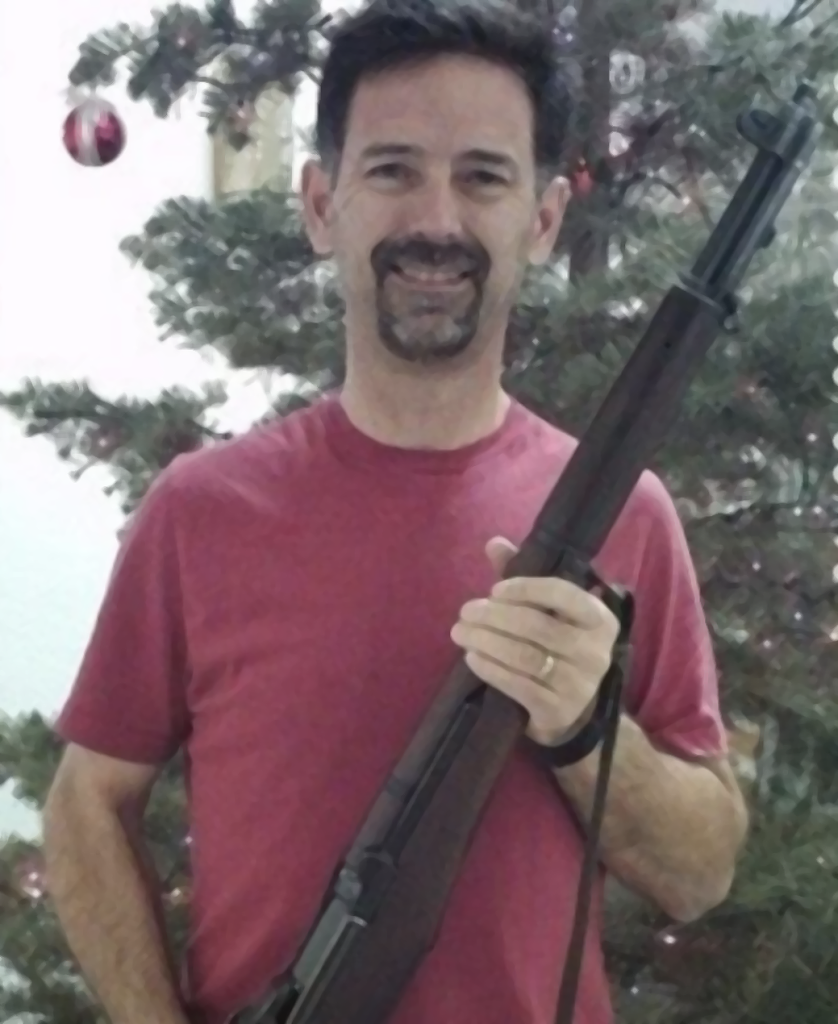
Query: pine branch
{"points": [[801, 9], [135, 438], [184, 46]]}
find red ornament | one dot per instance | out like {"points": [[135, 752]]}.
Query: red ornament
{"points": [[581, 181], [94, 134]]}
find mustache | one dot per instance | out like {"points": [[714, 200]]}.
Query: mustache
{"points": [[470, 256]]}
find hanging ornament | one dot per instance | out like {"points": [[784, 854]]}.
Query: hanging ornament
{"points": [[581, 181], [94, 134], [627, 71]]}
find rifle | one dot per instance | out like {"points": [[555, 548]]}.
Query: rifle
{"points": [[386, 902]]}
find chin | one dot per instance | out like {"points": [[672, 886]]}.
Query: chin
{"points": [[428, 348]]}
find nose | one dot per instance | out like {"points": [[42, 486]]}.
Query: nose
{"points": [[435, 210]]}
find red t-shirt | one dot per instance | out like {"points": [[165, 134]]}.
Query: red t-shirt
{"points": [[281, 605]]}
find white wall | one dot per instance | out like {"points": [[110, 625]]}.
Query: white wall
{"points": [[70, 307]]}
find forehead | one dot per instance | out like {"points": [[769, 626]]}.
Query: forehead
{"points": [[444, 105]]}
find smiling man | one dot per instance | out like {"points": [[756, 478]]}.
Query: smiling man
{"points": [[286, 605]]}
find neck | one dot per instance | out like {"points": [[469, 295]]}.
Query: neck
{"points": [[425, 407]]}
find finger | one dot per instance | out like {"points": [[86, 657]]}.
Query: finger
{"points": [[549, 715], [532, 696], [513, 653], [574, 650], [522, 624], [562, 598], [500, 551]]}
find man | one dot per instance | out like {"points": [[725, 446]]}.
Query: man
{"points": [[285, 605]]}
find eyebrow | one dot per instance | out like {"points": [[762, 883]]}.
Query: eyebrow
{"points": [[483, 156]]}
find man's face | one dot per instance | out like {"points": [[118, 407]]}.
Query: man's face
{"points": [[435, 211]]}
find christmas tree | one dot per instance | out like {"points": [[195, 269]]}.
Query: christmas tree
{"points": [[653, 158]]}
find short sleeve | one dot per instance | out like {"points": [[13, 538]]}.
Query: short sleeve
{"points": [[673, 687], [128, 700]]}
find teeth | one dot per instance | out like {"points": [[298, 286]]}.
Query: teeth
{"points": [[430, 277]]}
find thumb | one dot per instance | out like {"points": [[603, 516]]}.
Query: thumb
{"points": [[500, 551]]}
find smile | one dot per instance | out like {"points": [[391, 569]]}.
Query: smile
{"points": [[430, 279]]}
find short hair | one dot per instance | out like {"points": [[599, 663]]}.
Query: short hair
{"points": [[386, 34]]}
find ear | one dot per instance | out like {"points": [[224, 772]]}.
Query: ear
{"points": [[316, 194], [548, 220]]}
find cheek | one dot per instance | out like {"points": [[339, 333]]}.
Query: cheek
{"points": [[355, 277], [509, 258], [354, 239], [352, 253], [509, 238], [359, 218]]}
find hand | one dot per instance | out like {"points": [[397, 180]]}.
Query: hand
{"points": [[509, 638]]}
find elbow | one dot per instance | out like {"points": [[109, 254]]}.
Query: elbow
{"points": [[684, 895], [705, 890], [713, 885], [692, 902]]}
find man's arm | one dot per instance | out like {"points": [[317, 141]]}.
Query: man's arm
{"points": [[99, 877], [675, 817], [672, 829], [127, 714]]}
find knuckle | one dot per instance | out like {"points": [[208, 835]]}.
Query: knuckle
{"points": [[602, 663], [610, 628], [547, 636]]}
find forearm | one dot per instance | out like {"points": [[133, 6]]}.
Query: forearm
{"points": [[671, 829], [102, 888]]}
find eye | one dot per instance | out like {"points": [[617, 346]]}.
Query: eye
{"points": [[389, 171], [485, 179]]}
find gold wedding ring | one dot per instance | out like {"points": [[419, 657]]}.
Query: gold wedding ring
{"points": [[547, 668]]}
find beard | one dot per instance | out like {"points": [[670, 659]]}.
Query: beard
{"points": [[429, 297]]}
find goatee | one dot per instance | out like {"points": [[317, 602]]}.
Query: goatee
{"points": [[429, 296]]}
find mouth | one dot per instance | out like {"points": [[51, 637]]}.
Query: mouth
{"points": [[423, 278]]}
